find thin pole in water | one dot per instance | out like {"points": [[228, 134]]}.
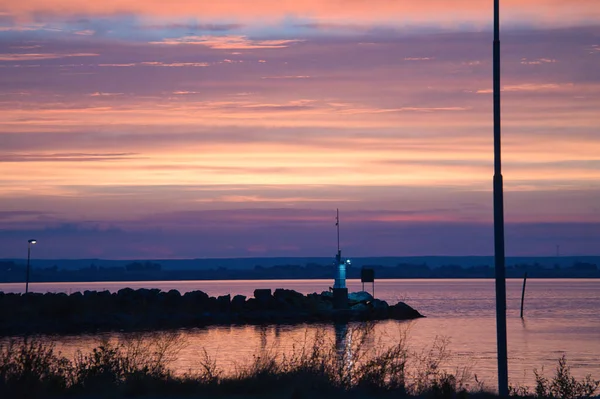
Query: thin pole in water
{"points": [[523, 293], [499, 220], [27, 273]]}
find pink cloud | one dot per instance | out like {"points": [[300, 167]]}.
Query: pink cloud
{"points": [[85, 32], [102, 94], [534, 11], [538, 61]]}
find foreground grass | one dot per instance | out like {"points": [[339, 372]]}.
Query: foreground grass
{"points": [[139, 366]]}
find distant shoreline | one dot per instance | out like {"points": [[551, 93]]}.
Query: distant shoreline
{"points": [[15, 272], [291, 279]]}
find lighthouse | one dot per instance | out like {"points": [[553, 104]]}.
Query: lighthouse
{"points": [[340, 291]]}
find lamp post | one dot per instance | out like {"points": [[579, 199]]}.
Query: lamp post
{"points": [[499, 221], [29, 242]]}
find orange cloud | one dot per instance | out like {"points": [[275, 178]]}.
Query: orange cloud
{"points": [[530, 87], [231, 42], [40, 56]]}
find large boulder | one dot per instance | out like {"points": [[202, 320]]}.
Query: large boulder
{"points": [[324, 306], [360, 307], [359, 297], [263, 296], [173, 299], [380, 309], [379, 304], [197, 300], [125, 292], [238, 302], [290, 297], [251, 304], [402, 311], [224, 302], [317, 304]]}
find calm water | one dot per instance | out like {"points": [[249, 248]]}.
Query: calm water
{"points": [[561, 317]]}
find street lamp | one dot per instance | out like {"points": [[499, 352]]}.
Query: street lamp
{"points": [[29, 242], [499, 221]]}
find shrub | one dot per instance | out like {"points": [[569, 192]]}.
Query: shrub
{"points": [[563, 385], [31, 368]]}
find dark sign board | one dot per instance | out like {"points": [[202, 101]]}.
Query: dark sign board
{"points": [[367, 275]]}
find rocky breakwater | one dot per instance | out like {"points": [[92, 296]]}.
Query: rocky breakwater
{"points": [[153, 309]]}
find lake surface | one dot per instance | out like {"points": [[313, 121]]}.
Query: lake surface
{"points": [[561, 317]]}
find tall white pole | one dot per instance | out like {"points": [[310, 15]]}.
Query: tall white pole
{"points": [[499, 220]]}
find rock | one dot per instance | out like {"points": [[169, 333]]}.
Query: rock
{"points": [[173, 298], [197, 296], [402, 311], [143, 292], [360, 307], [224, 302], [327, 295], [252, 304], [238, 302], [324, 306], [379, 304], [283, 294], [213, 304], [290, 297], [359, 297], [263, 296], [380, 309], [125, 292], [316, 304], [198, 299]]}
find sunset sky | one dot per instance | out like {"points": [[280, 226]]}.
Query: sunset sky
{"points": [[189, 129]]}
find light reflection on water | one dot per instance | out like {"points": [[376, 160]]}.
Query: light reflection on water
{"points": [[561, 316]]}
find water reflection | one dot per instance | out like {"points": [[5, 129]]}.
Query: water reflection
{"points": [[262, 333], [342, 344]]}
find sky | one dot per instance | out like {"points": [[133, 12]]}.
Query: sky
{"points": [[192, 129]]}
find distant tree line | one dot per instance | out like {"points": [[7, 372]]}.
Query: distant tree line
{"points": [[149, 271]]}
